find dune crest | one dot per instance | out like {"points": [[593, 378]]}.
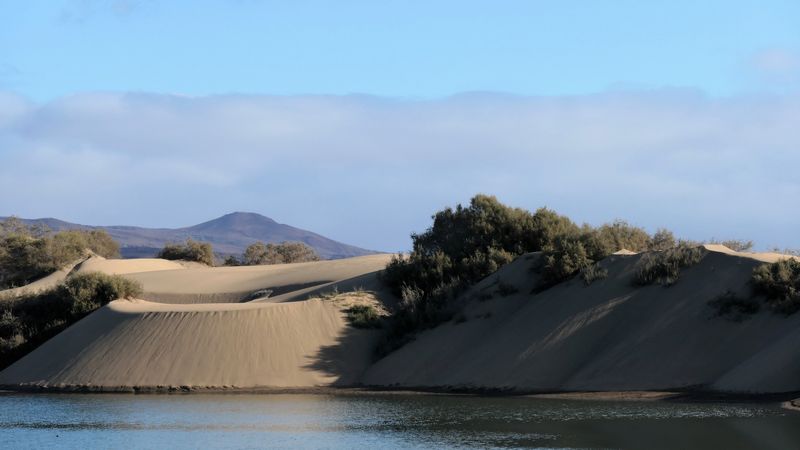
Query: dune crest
{"points": [[142, 344]]}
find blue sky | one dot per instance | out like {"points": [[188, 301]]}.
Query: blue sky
{"points": [[667, 113], [408, 49]]}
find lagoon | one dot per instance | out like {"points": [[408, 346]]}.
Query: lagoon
{"points": [[383, 420]]}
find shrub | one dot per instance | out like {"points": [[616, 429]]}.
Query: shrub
{"points": [[506, 289], [464, 245], [284, 253], [231, 261], [779, 282], [23, 259], [28, 321], [662, 240], [665, 267], [191, 250], [31, 252], [609, 238], [86, 292], [593, 272], [364, 316], [733, 307], [562, 263]]}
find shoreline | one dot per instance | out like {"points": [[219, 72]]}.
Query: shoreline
{"points": [[788, 400]]}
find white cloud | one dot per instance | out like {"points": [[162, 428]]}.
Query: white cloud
{"points": [[370, 170]]}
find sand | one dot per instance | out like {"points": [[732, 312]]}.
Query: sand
{"points": [[130, 266], [609, 336], [153, 345], [234, 284]]}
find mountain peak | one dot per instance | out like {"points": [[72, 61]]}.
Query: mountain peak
{"points": [[236, 220], [245, 215], [229, 234]]}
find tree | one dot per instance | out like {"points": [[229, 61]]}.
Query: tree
{"points": [[191, 250], [283, 253], [663, 239]]}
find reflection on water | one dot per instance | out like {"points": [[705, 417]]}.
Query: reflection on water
{"points": [[383, 421]]}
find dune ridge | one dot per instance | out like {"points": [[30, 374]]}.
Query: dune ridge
{"points": [[608, 336], [143, 344]]}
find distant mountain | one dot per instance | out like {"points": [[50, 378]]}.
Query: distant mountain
{"points": [[229, 234]]}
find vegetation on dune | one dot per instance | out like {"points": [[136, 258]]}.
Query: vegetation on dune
{"points": [[29, 320], [364, 316], [664, 267], [737, 245], [592, 273], [31, 252], [283, 253], [468, 243], [733, 307], [462, 246], [190, 250], [779, 283]]}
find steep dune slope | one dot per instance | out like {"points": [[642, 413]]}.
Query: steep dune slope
{"points": [[610, 335], [150, 345]]}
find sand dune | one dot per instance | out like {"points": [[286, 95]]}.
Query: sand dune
{"points": [[232, 284], [43, 283], [152, 345], [129, 266], [607, 336]]}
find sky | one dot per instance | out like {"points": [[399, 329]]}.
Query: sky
{"points": [[359, 119]]}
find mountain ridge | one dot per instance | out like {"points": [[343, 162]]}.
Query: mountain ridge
{"points": [[229, 234]]}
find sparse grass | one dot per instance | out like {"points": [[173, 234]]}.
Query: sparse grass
{"points": [[665, 267], [735, 308], [593, 272]]}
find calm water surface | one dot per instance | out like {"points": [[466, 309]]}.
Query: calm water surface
{"points": [[383, 421]]}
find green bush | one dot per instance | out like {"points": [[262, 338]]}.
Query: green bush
{"points": [[191, 250], [506, 289], [665, 267], [593, 272], [364, 316], [28, 253], [231, 261], [779, 282], [284, 253], [567, 258], [733, 307], [609, 238], [29, 320], [662, 240], [464, 245], [575, 252]]}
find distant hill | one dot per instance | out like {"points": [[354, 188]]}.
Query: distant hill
{"points": [[229, 234]]}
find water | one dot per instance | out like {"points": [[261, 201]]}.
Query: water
{"points": [[383, 421]]}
